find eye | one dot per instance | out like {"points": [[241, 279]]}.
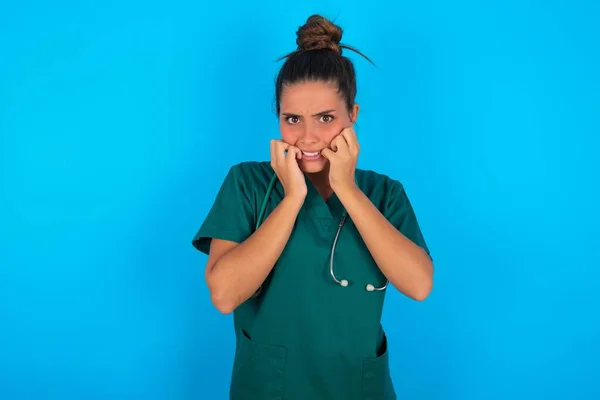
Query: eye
{"points": [[327, 118], [292, 120]]}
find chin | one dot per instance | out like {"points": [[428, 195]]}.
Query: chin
{"points": [[312, 167]]}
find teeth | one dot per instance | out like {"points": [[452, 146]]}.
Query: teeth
{"points": [[316, 153]]}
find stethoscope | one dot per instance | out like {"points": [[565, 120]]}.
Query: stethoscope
{"points": [[343, 282]]}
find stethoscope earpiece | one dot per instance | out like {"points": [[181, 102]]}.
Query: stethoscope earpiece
{"points": [[344, 283], [369, 288]]}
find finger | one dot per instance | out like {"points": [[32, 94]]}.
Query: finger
{"points": [[273, 152], [277, 152], [350, 135], [294, 154], [335, 143], [281, 149], [328, 154], [340, 144], [281, 146]]}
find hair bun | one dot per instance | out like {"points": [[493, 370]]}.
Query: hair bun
{"points": [[318, 33]]}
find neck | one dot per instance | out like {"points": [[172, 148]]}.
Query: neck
{"points": [[320, 181]]}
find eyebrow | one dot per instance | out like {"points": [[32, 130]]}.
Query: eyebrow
{"points": [[314, 115]]}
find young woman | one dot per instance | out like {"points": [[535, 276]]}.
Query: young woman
{"points": [[302, 247]]}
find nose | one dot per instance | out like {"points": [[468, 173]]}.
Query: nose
{"points": [[309, 134]]}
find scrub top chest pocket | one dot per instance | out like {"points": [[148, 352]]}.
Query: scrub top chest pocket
{"points": [[304, 335], [258, 370]]}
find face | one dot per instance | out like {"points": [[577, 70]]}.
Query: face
{"points": [[311, 115]]}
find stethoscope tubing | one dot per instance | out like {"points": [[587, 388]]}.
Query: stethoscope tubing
{"points": [[343, 282]]}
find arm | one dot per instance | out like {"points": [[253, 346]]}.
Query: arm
{"points": [[406, 265], [234, 272]]}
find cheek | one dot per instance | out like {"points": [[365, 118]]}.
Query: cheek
{"points": [[329, 133], [288, 134]]}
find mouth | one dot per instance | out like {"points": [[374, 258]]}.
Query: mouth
{"points": [[311, 153]]}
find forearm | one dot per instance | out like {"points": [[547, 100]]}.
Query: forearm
{"points": [[406, 265], [238, 274]]}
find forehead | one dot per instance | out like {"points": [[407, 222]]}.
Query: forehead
{"points": [[309, 97]]}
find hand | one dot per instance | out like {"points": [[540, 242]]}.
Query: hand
{"points": [[287, 169], [342, 156]]}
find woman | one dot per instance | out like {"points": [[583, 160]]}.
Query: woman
{"points": [[301, 248]]}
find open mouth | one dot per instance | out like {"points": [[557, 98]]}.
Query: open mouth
{"points": [[311, 155]]}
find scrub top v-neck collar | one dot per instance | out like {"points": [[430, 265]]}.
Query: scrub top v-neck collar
{"points": [[325, 213]]}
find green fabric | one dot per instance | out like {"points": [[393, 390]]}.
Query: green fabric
{"points": [[304, 336]]}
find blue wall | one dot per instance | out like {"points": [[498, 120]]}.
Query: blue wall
{"points": [[119, 120]]}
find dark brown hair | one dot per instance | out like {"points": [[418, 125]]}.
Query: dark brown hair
{"points": [[318, 57]]}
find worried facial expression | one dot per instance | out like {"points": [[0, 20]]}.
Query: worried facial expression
{"points": [[312, 115]]}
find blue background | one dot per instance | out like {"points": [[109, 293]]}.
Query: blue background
{"points": [[119, 120]]}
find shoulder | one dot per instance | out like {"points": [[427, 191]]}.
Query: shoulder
{"points": [[378, 186], [251, 169], [250, 176], [390, 197]]}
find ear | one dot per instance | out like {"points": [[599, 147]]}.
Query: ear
{"points": [[354, 113]]}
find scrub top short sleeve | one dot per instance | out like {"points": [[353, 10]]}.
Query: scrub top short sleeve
{"points": [[231, 215], [399, 211]]}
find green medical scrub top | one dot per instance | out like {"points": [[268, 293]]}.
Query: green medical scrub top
{"points": [[305, 337]]}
